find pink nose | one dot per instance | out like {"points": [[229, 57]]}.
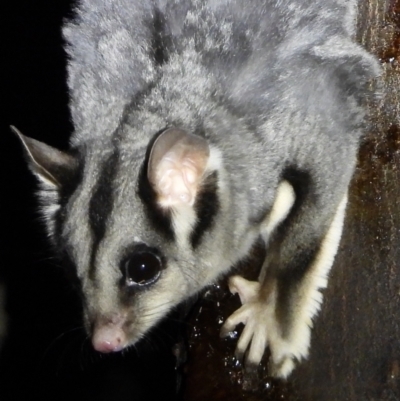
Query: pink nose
{"points": [[107, 345], [108, 336]]}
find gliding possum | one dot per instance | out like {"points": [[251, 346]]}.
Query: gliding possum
{"points": [[202, 126]]}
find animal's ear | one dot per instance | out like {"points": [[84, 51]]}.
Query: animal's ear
{"points": [[176, 166], [50, 165]]}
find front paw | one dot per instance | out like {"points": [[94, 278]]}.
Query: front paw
{"points": [[261, 330], [254, 335]]}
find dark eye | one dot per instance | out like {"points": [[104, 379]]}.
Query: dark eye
{"points": [[142, 268]]}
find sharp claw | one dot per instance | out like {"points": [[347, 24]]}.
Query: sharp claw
{"points": [[235, 283], [233, 290], [247, 290]]}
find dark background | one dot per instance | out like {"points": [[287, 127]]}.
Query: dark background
{"points": [[47, 356]]}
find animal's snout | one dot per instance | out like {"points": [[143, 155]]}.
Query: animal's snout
{"points": [[108, 333]]}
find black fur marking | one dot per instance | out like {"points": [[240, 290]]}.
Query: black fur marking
{"points": [[288, 279], [160, 39], [206, 207], [160, 218], [302, 185], [294, 269], [101, 203], [290, 272]]}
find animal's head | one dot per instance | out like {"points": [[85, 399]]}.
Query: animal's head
{"points": [[139, 223]]}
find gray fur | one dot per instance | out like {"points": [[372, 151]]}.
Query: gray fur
{"points": [[273, 86]]}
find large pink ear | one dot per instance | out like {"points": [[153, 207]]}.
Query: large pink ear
{"points": [[176, 166]]}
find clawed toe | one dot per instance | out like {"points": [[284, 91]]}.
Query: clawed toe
{"points": [[247, 290]]}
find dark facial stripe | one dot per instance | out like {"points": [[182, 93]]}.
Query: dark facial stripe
{"points": [[160, 39], [206, 207], [101, 203]]}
